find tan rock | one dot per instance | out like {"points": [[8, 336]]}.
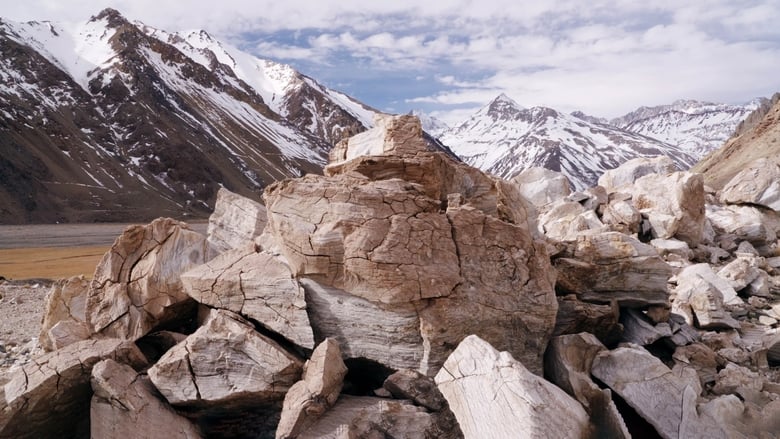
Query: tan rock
{"points": [[640, 329], [759, 184], [674, 205], [136, 285], [396, 135], [737, 379], [236, 221], [49, 397], [64, 319], [696, 297], [494, 395], [575, 316], [622, 216], [659, 396], [126, 405], [416, 387], [740, 272], [613, 266], [225, 362], [257, 285], [319, 389]]}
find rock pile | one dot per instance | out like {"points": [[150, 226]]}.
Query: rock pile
{"points": [[404, 294]]}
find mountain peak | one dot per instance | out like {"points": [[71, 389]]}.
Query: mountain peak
{"points": [[503, 99], [111, 15]]}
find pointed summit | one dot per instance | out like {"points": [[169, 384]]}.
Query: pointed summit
{"points": [[111, 15]]}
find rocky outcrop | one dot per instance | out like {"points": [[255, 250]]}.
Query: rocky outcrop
{"points": [[126, 405], [308, 399], [442, 241], [494, 395], [257, 285], [136, 286], [64, 316], [235, 221], [225, 362], [49, 396]]}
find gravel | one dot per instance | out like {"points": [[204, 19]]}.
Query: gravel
{"points": [[21, 308]]}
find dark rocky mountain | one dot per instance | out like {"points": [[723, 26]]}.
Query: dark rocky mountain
{"points": [[114, 121]]}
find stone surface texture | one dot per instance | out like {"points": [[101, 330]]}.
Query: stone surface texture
{"points": [[64, 316], [236, 220]]}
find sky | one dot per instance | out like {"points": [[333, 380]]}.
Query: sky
{"points": [[449, 58]]}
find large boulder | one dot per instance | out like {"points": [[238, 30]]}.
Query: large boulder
{"points": [[759, 184], [494, 395], [126, 404], [613, 266], [257, 285], [450, 252], [542, 186], [745, 223], [225, 363], [308, 399], [136, 286], [64, 315], [674, 205], [236, 221], [632, 170], [666, 401], [50, 396]]}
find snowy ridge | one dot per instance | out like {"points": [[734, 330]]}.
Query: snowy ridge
{"points": [[696, 127], [504, 138], [433, 126]]}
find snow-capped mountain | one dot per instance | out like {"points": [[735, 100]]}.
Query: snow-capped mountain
{"points": [[696, 127], [113, 120], [431, 125], [504, 138]]}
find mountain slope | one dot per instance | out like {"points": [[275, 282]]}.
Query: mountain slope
{"points": [[695, 127], [757, 137], [109, 120], [504, 138]]}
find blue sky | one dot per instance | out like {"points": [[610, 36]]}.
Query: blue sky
{"points": [[449, 58]]}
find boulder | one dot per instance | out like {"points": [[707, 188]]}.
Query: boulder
{"points": [[738, 380], [64, 315], [745, 223], [394, 135], [640, 329], [225, 363], [308, 399], [236, 221], [740, 272], [257, 285], [705, 272], [136, 285], [494, 395], [542, 186], [370, 417], [622, 216], [667, 247], [613, 266], [49, 397], [759, 184], [416, 387], [567, 220], [125, 404], [663, 399], [567, 363], [701, 303], [630, 171], [674, 205], [450, 252]]}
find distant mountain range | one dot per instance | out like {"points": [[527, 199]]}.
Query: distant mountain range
{"points": [[504, 138], [113, 120]]}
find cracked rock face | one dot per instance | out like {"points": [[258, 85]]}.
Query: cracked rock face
{"points": [[126, 405], [49, 397], [236, 220], [257, 285], [136, 285], [758, 184], [225, 362], [494, 395], [64, 319], [427, 249]]}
